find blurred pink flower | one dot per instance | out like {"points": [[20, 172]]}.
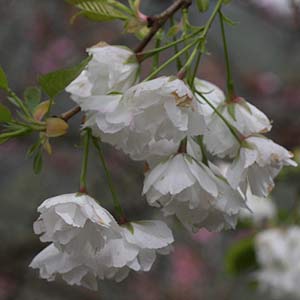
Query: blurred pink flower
{"points": [[291, 95], [143, 287], [7, 287], [266, 83], [187, 268], [54, 56], [204, 236]]}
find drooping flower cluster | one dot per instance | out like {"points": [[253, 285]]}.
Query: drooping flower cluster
{"points": [[87, 243], [173, 126], [278, 254]]}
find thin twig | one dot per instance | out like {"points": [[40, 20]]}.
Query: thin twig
{"points": [[157, 21], [71, 113]]}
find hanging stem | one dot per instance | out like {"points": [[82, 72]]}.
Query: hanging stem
{"points": [[83, 175], [230, 84], [201, 42], [156, 55], [194, 74], [203, 151], [144, 55], [118, 208], [176, 49], [230, 127], [164, 65], [183, 70]]}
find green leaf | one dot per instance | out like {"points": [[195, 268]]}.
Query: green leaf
{"points": [[32, 96], [3, 80], [5, 114], [174, 30], [129, 227], [203, 5], [133, 4], [33, 148], [231, 110], [99, 10], [38, 163], [244, 103], [241, 257], [228, 20], [55, 82]]}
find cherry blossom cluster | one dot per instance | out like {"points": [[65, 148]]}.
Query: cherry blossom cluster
{"points": [[174, 127], [178, 129]]}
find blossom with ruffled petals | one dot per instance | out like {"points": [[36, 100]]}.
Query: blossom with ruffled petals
{"points": [[150, 119], [135, 249], [111, 69], [258, 163], [52, 262], [75, 221], [191, 191], [244, 117]]}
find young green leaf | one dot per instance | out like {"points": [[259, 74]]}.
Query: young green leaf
{"points": [[55, 82], [33, 148], [5, 114], [203, 5], [3, 80], [100, 10], [32, 96], [231, 110], [38, 162], [174, 30], [228, 20]]}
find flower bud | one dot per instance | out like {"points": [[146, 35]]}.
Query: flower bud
{"points": [[41, 110], [56, 127], [203, 5]]}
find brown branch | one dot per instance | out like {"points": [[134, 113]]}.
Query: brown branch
{"points": [[71, 113], [158, 21]]}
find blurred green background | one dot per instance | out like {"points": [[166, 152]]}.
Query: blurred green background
{"points": [[36, 37]]}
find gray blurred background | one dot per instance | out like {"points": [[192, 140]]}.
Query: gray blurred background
{"points": [[36, 37]]}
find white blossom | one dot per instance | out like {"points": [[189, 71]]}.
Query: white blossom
{"points": [[135, 249], [191, 191], [242, 116], [258, 163], [111, 69], [278, 254], [75, 221], [260, 208], [52, 262], [212, 93], [151, 118]]}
